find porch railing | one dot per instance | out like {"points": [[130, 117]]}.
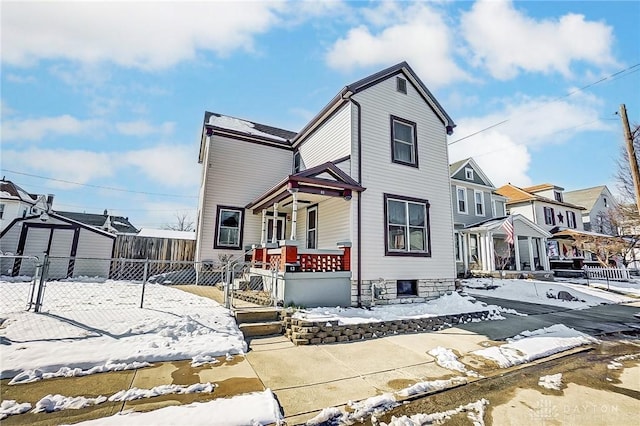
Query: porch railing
{"points": [[288, 258], [613, 274]]}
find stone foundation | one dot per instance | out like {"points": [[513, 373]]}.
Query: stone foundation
{"points": [[384, 292], [303, 332]]}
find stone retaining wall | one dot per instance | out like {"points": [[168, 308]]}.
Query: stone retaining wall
{"points": [[303, 332]]}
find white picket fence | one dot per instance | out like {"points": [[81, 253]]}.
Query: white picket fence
{"points": [[613, 274]]}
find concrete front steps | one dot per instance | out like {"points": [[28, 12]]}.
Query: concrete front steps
{"points": [[259, 322]]}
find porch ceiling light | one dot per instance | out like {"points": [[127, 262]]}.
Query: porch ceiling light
{"points": [[292, 190]]}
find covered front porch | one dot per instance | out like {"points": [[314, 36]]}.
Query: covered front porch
{"points": [[487, 247], [304, 255]]}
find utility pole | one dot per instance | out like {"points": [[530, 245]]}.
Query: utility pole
{"points": [[631, 152]]}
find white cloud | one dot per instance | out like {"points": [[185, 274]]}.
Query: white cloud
{"points": [[506, 41], [147, 35], [417, 33], [144, 128], [170, 165], [34, 129], [71, 165], [503, 152]]}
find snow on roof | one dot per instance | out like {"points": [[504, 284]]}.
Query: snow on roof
{"points": [[167, 233], [238, 125]]}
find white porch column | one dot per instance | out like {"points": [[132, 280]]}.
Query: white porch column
{"points": [[263, 230], [274, 236], [464, 250], [491, 266], [516, 251], [545, 254], [483, 251], [531, 260], [294, 213]]}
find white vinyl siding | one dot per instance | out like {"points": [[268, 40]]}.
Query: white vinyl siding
{"points": [[334, 225], [429, 181], [238, 173], [331, 141]]}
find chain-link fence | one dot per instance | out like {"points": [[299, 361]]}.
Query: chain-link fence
{"points": [[61, 284]]}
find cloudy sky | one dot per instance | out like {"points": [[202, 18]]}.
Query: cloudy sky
{"points": [[102, 102]]}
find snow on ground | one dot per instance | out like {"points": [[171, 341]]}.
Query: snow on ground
{"points": [[93, 327], [51, 403], [449, 304], [10, 407], [535, 291], [447, 359], [475, 413], [531, 345], [631, 287], [248, 409], [553, 381]]}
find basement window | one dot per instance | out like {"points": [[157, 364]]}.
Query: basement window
{"points": [[407, 287]]}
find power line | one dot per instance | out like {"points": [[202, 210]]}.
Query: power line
{"points": [[616, 75], [99, 186]]}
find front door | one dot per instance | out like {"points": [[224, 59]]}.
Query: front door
{"points": [[279, 231]]}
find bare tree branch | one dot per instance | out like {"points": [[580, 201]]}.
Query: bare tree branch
{"points": [[183, 223]]}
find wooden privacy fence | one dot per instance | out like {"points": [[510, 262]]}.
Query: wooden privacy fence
{"points": [[154, 248], [613, 274]]}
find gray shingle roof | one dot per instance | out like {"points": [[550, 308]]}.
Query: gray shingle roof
{"points": [[584, 197], [119, 223]]}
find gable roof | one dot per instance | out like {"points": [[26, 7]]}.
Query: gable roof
{"points": [[343, 97], [517, 195], [9, 190], [586, 197], [542, 187], [457, 166], [324, 179], [119, 223]]}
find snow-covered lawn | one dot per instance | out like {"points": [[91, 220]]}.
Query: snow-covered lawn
{"points": [[449, 304], [534, 291], [631, 287], [91, 327]]}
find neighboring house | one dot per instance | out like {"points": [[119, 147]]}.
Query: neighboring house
{"points": [[480, 233], [113, 224], [75, 249], [598, 202], [546, 206], [356, 205], [16, 203]]}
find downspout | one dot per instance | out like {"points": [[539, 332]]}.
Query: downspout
{"points": [[359, 204]]}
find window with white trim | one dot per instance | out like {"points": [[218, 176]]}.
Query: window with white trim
{"points": [[571, 219], [403, 142], [461, 195], [312, 227], [457, 238], [407, 226], [557, 195], [1, 211], [478, 197], [297, 162], [229, 228], [549, 218], [468, 173]]}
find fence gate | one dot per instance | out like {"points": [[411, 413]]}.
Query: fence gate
{"points": [[245, 290], [18, 278]]}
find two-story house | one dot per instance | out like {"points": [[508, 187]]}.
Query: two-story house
{"points": [[16, 203], [355, 206], [598, 203], [545, 205], [486, 239]]}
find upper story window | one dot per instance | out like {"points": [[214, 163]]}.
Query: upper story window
{"points": [[606, 204], [571, 219], [468, 173], [401, 85], [479, 202], [461, 195], [297, 163], [407, 226], [1, 211], [403, 142], [229, 228], [557, 195], [549, 218]]}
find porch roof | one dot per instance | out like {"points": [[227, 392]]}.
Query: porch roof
{"points": [[497, 223], [324, 180], [570, 233]]}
